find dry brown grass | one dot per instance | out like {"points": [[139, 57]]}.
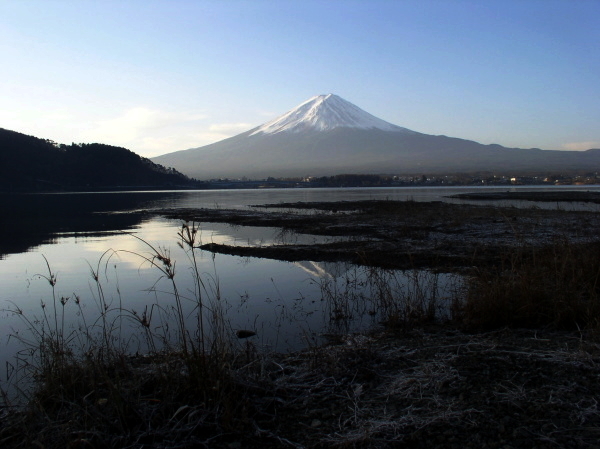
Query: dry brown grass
{"points": [[555, 286]]}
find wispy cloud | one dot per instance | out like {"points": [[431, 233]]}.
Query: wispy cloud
{"points": [[580, 146], [135, 123], [147, 131], [213, 133], [49, 124], [220, 131], [230, 128]]}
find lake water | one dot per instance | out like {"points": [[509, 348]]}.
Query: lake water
{"points": [[288, 305]]}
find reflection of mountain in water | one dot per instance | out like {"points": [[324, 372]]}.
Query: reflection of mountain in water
{"points": [[27, 221], [323, 269]]}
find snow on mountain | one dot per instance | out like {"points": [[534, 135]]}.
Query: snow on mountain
{"points": [[324, 113]]}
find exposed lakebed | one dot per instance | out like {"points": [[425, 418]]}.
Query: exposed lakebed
{"points": [[407, 234]]}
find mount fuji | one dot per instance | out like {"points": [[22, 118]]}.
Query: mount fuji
{"points": [[327, 135]]}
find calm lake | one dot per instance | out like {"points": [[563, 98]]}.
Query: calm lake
{"points": [[288, 305]]}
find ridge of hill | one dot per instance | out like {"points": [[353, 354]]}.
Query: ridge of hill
{"points": [[29, 163]]}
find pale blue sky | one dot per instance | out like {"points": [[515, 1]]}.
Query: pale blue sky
{"points": [[161, 76]]}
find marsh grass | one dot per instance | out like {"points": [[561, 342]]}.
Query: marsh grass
{"points": [[556, 286], [88, 385], [414, 297]]}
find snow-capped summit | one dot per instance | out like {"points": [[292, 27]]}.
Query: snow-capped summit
{"points": [[324, 113]]}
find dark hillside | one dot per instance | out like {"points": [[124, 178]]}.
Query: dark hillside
{"points": [[28, 163]]}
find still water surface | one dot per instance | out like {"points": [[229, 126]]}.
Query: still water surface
{"points": [[288, 305]]}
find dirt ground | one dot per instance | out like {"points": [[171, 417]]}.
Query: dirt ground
{"points": [[438, 387]]}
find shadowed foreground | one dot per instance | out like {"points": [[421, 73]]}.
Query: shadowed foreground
{"points": [[434, 387]]}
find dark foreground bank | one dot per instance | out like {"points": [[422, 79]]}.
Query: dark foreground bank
{"points": [[430, 387]]}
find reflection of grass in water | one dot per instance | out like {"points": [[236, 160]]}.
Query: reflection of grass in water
{"points": [[415, 297], [400, 299]]}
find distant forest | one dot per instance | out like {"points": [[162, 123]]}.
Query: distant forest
{"points": [[31, 164]]}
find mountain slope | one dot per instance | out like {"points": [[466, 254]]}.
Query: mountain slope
{"points": [[28, 163], [327, 135]]}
